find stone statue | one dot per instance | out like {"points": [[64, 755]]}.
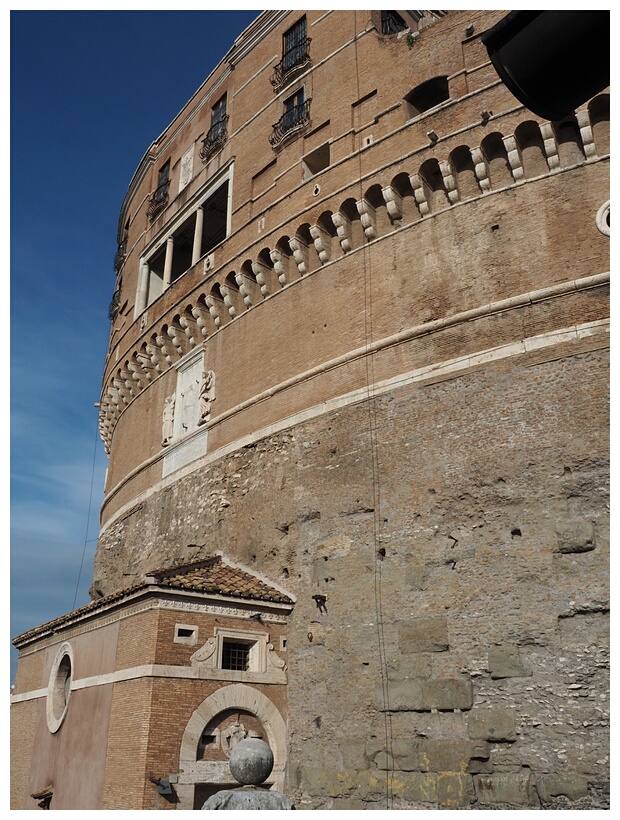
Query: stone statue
{"points": [[207, 396], [251, 762], [167, 430], [234, 734]]}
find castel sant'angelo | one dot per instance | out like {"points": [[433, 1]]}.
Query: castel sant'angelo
{"points": [[355, 409]]}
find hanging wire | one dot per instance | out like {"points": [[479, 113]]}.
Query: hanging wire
{"points": [[376, 484], [90, 502]]}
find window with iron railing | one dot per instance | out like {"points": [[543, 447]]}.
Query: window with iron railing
{"points": [[159, 199], [295, 54], [218, 133], [296, 115]]}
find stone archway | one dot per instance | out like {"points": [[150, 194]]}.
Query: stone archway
{"points": [[237, 696]]}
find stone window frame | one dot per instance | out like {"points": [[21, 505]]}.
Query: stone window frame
{"points": [[602, 219], [59, 688], [257, 642]]}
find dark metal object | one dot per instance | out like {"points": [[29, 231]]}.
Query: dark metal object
{"points": [[292, 120], [293, 61], [552, 61]]}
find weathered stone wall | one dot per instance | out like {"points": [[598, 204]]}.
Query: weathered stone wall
{"points": [[457, 530], [409, 429]]}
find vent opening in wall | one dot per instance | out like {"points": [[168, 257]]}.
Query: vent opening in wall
{"points": [[186, 634], [426, 96], [316, 161]]}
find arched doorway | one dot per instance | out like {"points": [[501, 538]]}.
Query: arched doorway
{"points": [[219, 722]]}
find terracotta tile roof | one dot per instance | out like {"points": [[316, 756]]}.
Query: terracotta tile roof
{"points": [[212, 576], [217, 577]]}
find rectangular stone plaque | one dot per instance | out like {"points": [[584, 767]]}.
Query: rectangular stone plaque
{"points": [[181, 454]]}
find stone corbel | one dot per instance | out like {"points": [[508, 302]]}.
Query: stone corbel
{"points": [[225, 291], [322, 242], [449, 181], [260, 272], [174, 334], [550, 145], [129, 381], [162, 343], [122, 390], [587, 137], [514, 158], [481, 170], [280, 265], [343, 229], [419, 194], [368, 218], [300, 254], [190, 328], [200, 316], [393, 203], [213, 311], [146, 363], [242, 280]]}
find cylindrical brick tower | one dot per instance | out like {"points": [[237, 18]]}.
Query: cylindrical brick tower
{"points": [[359, 345]]}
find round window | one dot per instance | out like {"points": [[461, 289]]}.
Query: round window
{"points": [[603, 222], [59, 688]]}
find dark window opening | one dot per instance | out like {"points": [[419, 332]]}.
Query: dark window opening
{"points": [[294, 46], [392, 22], [296, 114], [159, 199], [295, 54], [218, 133], [427, 95], [184, 633], [214, 230], [236, 656]]}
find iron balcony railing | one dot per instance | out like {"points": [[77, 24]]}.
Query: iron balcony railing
{"points": [[114, 305], [215, 139], [293, 61], [292, 120], [159, 200], [119, 256]]}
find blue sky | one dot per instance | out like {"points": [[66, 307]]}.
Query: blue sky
{"points": [[90, 91]]}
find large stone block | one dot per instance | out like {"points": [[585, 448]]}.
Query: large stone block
{"points": [[575, 535], [455, 790], [423, 635], [424, 695], [512, 788], [572, 786], [451, 755], [416, 665], [505, 662], [415, 787], [403, 754], [492, 724]]}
